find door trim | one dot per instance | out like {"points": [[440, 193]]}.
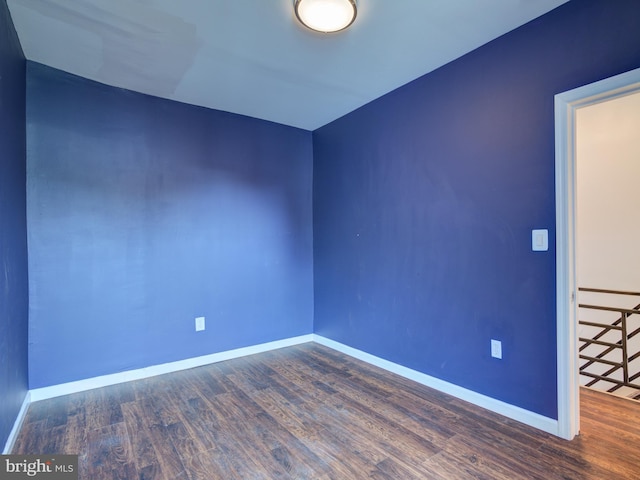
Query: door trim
{"points": [[566, 105]]}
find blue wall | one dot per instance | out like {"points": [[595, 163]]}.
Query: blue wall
{"points": [[144, 214], [424, 202], [13, 227]]}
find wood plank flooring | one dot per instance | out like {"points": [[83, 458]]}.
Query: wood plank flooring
{"points": [[309, 412]]}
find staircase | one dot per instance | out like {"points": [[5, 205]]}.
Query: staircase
{"points": [[609, 341]]}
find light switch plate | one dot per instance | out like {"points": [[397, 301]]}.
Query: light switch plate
{"points": [[540, 240]]}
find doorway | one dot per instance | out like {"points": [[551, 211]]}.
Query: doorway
{"points": [[566, 106], [608, 235]]}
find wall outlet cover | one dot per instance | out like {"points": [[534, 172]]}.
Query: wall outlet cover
{"points": [[496, 349], [200, 324]]}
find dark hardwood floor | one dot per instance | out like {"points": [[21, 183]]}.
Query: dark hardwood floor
{"points": [[308, 412]]}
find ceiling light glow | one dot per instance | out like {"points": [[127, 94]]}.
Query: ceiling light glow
{"points": [[326, 15]]}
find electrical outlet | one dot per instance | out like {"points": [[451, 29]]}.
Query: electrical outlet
{"points": [[199, 324], [496, 349]]}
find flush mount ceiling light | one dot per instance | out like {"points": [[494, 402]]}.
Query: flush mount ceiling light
{"points": [[326, 15]]}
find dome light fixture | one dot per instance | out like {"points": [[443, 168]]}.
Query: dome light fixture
{"points": [[326, 16]]}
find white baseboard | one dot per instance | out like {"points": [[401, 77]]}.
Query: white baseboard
{"points": [[532, 419], [17, 425], [516, 413], [121, 377]]}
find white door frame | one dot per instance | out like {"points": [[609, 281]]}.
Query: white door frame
{"points": [[566, 105]]}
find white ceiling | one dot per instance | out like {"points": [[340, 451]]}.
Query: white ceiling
{"points": [[252, 57]]}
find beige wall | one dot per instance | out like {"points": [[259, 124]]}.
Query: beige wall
{"points": [[608, 190]]}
